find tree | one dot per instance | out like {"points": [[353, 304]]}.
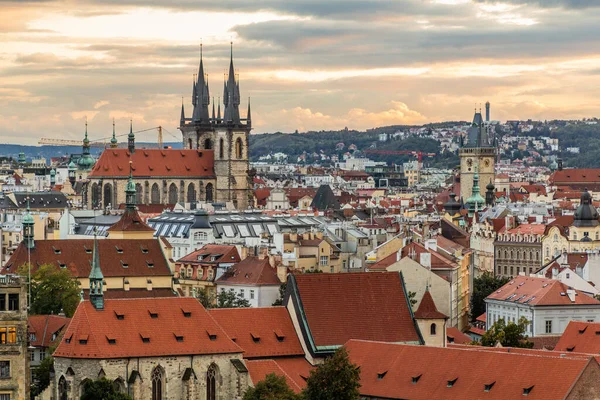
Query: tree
{"points": [[483, 286], [102, 389], [41, 376], [411, 298], [223, 299], [206, 298], [52, 290], [508, 335], [336, 379], [273, 387], [282, 289]]}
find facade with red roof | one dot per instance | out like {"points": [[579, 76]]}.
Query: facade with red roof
{"points": [[166, 346], [44, 332], [547, 304], [580, 337], [253, 279], [518, 248], [330, 309], [400, 371]]}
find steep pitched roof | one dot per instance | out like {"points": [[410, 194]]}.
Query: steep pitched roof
{"points": [[46, 328], [295, 370], [143, 328], [130, 222], [454, 335], [539, 292], [220, 252], [421, 372], [260, 332], [571, 176], [580, 337], [118, 257], [339, 307], [437, 260], [250, 271], [427, 308], [324, 199], [153, 163]]}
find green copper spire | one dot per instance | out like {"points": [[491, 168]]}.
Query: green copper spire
{"points": [[476, 201], [131, 138], [96, 278], [86, 161], [113, 140], [28, 223], [130, 191]]}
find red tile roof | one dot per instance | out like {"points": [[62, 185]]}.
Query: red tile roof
{"points": [[384, 263], [137, 333], [295, 370], [250, 271], [369, 306], [572, 176], [222, 253], [260, 332], [437, 260], [262, 194], [580, 337], [134, 293], [130, 222], [539, 292], [528, 229], [427, 308], [46, 328], [420, 372], [155, 163], [454, 335], [118, 257]]}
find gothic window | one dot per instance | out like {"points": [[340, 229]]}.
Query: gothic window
{"points": [[221, 148], [108, 195], [158, 380], [190, 144], [95, 195], [173, 193], [239, 148], [211, 382], [119, 385], [155, 195], [139, 193], [432, 329], [512, 271], [191, 193], [208, 144], [63, 389], [209, 193]]}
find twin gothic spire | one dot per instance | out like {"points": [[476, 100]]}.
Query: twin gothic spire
{"points": [[201, 99]]}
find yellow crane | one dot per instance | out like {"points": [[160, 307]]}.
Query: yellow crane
{"points": [[104, 141]]}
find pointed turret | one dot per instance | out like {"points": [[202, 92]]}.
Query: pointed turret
{"points": [[231, 95], [28, 224], [249, 116], [194, 91], [213, 110], [200, 113], [476, 201], [131, 138], [52, 178], [96, 278], [113, 140], [219, 111], [130, 191], [182, 117], [86, 161]]}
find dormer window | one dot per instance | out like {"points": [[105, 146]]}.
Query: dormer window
{"points": [[150, 264], [178, 337], [489, 386], [68, 338], [527, 390], [83, 339], [111, 340], [381, 375], [212, 335], [144, 250], [186, 313], [153, 314], [452, 382], [119, 250], [120, 316], [56, 251], [279, 335], [255, 337], [145, 338], [415, 379]]}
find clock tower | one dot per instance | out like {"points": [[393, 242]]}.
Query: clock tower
{"points": [[478, 154]]}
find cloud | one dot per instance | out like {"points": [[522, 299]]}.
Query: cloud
{"points": [[101, 104], [578, 4]]}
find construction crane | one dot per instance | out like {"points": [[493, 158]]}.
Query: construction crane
{"points": [[104, 141], [419, 154]]}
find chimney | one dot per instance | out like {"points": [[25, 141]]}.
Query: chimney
{"points": [[243, 252], [425, 260], [149, 284], [554, 272], [579, 270], [560, 164], [282, 273], [571, 293], [431, 244]]}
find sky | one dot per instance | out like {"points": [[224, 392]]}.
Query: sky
{"points": [[305, 64]]}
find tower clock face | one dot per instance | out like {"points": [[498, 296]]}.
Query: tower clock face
{"points": [[486, 163], [469, 162]]}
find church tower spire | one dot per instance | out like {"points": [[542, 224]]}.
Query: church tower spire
{"points": [[131, 138], [130, 192], [182, 117], [203, 96], [231, 95], [113, 140], [249, 116], [96, 278]]}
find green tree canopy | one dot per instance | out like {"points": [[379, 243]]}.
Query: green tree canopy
{"points": [[52, 290], [41, 376], [483, 286], [223, 299], [336, 379], [508, 335], [102, 389], [273, 387]]}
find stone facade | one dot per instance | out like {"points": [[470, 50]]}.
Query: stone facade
{"points": [[14, 358], [181, 377], [517, 253], [482, 160]]}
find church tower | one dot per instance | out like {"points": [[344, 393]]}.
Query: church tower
{"points": [[227, 136], [96, 278], [478, 153]]}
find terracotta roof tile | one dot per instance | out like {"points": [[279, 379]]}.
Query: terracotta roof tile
{"points": [[580, 337], [454, 335], [118, 257], [421, 372], [130, 222], [137, 320], [222, 254], [154, 163], [295, 370], [272, 326], [250, 271], [46, 328], [427, 308], [370, 306]]}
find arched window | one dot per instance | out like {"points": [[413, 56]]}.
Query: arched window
{"points": [[239, 148], [209, 193], [208, 144], [190, 144], [211, 382], [119, 385], [139, 193], [191, 193], [63, 389], [95, 200], [108, 195], [173, 193], [574, 235], [155, 195], [432, 329], [182, 272], [84, 382], [221, 148], [190, 272], [158, 379]]}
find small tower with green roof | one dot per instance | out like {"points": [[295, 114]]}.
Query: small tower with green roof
{"points": [[28, 223], [52, 178], [113, 141], [131, 138], [86, 162], [130, 192], [476, 201], [96, 278]]}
